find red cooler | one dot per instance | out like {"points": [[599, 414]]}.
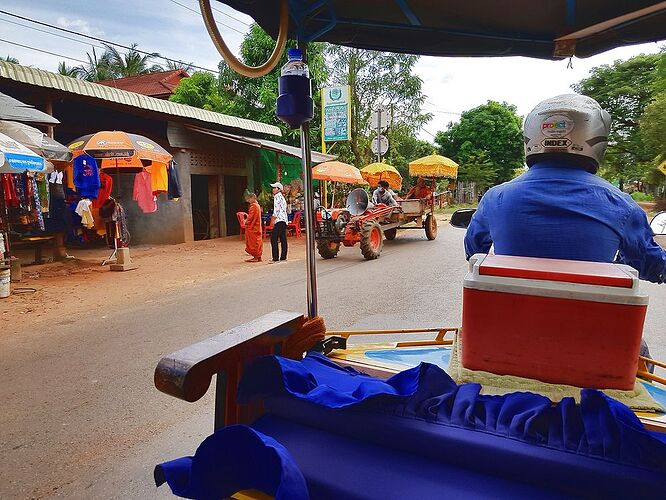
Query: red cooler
{"points": [[558, 321]]}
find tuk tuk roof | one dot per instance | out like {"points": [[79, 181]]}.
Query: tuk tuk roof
{"points": [[547, 29]]}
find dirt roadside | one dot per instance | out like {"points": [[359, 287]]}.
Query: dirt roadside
{"points": [[74, 287]]}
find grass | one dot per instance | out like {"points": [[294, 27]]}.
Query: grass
{"points": [[452, 208]]}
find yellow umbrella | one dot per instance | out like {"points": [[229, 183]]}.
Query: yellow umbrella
{"points": [[376, 172], [434, 166]]}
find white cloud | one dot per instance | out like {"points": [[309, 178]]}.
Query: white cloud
{"points": [[80, 25]]}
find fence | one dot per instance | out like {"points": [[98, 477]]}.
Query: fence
{"points": [[465, 193]]}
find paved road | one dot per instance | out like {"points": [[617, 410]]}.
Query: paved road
{"points": [[81, 418]]}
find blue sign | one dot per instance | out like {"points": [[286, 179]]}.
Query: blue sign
{"points": [[24, 162]]}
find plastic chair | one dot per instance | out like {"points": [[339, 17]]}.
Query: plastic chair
{"points": [[242, 219], [295, 225], [268, 227]]}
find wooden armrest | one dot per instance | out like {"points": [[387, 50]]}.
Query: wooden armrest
{"points": [[186, 374]]}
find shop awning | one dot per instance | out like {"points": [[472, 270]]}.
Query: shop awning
{"points": [[262, 144]]}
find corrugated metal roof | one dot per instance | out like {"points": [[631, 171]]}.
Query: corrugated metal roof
{"points": [[316, 156], [47, 79]]}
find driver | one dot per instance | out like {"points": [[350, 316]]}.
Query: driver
{"points": [[383, 195], [559, 208]]}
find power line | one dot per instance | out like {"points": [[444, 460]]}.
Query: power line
{"points": [[199, 14], [53, 34], [59, 28], [229, 15], [43, 51]]}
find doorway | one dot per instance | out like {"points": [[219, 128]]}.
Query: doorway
{"points": [[234, 189], [205, 206]]}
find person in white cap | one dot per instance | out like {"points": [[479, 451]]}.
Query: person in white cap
{"points": [[280, 223]]}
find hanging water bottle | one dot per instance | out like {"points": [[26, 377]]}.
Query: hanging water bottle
{"points": [[294, 102]]}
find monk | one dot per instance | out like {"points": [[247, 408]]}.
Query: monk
{"points": [[254, 244], [419, 191]]}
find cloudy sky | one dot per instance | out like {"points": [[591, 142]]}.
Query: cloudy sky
{"points": [[175, 29]]}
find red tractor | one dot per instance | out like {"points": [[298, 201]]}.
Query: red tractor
{"points": [[368, 224]]}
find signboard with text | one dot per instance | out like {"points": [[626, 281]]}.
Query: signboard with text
{"points": [[336, 113]]}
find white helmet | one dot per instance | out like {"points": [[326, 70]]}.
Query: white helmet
{"points": [[572, 124]]}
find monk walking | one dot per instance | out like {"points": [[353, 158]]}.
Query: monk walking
{"points": [[254, 244]]}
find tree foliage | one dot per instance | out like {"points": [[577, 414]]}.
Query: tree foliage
{"points": [[113, 64], [71, 71], [254, 98], [477, 168], [11, 59], [378, 78], [488, 138], [625, 89], [201, 90]]}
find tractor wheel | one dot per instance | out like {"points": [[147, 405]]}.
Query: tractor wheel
{"points": [[372, 240], [328, 249], [390, 234], [431, 227]]}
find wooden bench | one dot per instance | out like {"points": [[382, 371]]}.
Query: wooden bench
{"points": [[36, 242]]}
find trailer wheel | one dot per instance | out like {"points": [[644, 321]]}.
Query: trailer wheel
{"points": [[390, 234], [430, 227], [328, 249], [372, 240]]}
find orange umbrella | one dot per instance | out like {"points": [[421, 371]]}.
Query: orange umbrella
{"points": [[336, 171], [120, 150]]}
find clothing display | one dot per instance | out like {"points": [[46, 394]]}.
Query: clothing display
{"points": [[143, 192], [105, 188], [83, 211], [174, 182], [86, 176], [159, 178], [43, 189], [37, 210]]}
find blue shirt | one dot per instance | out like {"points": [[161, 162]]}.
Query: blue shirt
{"points": [[564, 212]]}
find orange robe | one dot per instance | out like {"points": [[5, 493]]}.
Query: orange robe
{"points": [[254, 244]]}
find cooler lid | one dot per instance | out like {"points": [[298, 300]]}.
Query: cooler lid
{"points": [[567, 271]]}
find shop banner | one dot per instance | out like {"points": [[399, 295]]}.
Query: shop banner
{"points": [[336, 113]]}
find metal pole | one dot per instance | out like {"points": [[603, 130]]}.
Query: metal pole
{"points": [[379, 122], [306, 162]]}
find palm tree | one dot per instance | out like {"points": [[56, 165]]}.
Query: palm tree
{"points": [[172, 65], [97, 69], [132, 63], [11, 59], [71, 71]]}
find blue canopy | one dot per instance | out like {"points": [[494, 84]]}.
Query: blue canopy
{"points": [[548, 29]]}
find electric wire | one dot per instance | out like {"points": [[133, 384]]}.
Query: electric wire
{"points": [[199, 14], [102, 40], [43, 51]]}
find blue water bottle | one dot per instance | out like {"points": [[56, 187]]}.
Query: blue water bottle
{"points": [[294, 102]]}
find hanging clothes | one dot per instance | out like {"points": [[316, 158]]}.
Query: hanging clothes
{"points": [[105, 189], [83, 211], [43, 190], [37, 210], [143, 192], [69, 177], [86, 176], [159, 178], [174, 182], [9, 191]]}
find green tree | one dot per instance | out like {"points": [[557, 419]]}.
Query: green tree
{"points": [[11, 59], [378, 78], [132, 62], [201, 90], [491, 131], [71, 71], [97, 68], [404, 147], [625, 89], [254, 98], [479, 169], [172, 65]]}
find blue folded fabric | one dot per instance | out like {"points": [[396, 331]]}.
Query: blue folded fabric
{"points": [[599, 427], [233, 459], [423, 414]]}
